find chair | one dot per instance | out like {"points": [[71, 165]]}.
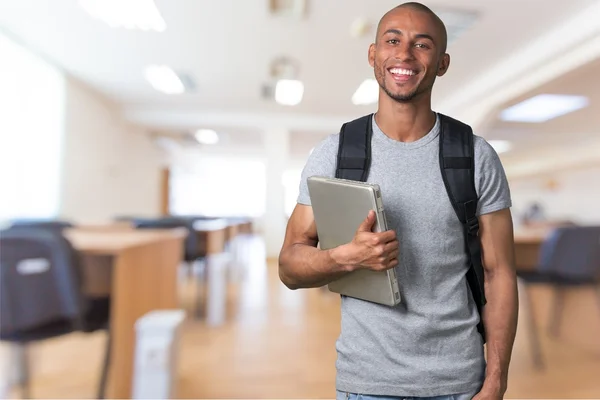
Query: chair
{"points": [[41, 294], [41, 223], [569, 257], [191, 249]]}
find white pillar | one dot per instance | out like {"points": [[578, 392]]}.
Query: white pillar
{"points": [[277, 143]]}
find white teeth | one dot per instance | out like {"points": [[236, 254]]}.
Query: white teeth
{"points": [[400, 71]]}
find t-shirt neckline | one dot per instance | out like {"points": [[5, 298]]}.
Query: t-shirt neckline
{"points": [[428, 138]]}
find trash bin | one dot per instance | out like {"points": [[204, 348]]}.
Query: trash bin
{"points": [[156, 350]]}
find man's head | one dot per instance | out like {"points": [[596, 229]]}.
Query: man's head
{"points": [[409, 51]]}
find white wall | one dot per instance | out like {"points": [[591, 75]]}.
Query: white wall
{"points": [[109, 167], [572, 194]]}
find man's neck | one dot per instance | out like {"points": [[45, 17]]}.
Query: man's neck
{"points": [[405, 122]]}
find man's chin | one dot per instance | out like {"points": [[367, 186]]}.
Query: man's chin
{"points": [[403, 97]]}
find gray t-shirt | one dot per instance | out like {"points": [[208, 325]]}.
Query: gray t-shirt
{"points": [[428, 345]]}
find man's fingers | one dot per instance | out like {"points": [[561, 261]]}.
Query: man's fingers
{"points": [[393, 254], [367, 224], [391, 246], [386, 236]]}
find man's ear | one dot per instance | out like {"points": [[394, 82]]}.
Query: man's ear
{"points": [[372, 54], [443, 65]]}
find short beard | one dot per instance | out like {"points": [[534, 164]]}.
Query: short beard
{"points": [[400, 98]]}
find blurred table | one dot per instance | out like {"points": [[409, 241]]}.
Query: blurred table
{"points": [[528, 242], [143, 278]]}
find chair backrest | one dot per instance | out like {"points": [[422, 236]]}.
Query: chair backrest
{"points": [[40, 281], [191, 242], [572, 252], [41, 223]]}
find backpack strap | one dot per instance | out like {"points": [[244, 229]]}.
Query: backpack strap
{"points": [[458, 172], [354, 151]]}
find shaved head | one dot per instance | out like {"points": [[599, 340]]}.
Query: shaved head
{"points": [[409, 52], [414, 6]]}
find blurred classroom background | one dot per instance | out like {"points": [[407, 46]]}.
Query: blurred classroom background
{"points": [[150, 155]]}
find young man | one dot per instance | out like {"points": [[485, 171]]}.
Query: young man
{"points": [[428, 345]]}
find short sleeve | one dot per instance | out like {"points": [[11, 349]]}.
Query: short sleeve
{"points": [[321, 162], [490, 179]]}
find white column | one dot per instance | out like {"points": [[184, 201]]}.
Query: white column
{"points": [[277, 143]]}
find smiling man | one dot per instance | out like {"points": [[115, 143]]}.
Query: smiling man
{"points": [[431, 345]]}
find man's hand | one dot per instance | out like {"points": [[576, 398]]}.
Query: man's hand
{"points": [[492, 389], [377, 251]]}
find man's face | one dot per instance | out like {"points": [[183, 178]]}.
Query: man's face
{"points": [[408, 54]]}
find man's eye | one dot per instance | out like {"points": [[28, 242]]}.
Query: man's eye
{"points": [[422, 45], [393, 41]]}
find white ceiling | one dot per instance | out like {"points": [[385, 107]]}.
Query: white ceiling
{"points": [[575, 126], [227, 45]]}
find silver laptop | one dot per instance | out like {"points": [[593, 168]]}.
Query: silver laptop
{"points": [[339, 207]]}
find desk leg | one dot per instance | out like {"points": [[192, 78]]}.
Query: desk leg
{"points": [[144, 279], [216, 269], [236, 271]]}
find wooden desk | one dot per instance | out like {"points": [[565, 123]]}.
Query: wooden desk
{"points": [[212, 235], [144, 278], [527, 247]]}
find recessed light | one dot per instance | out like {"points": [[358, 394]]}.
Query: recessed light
{"points": [[501, 146], [543, 107], [164, 79], [206, 136], [367, 93], [289, 92], [131, 14]]}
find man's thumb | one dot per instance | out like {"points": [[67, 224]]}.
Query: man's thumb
{"points": [[367, 224]]}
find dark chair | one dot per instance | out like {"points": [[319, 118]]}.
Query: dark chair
{"points": [[569, 257], [191, 248], [41, 223], [41, 294]]}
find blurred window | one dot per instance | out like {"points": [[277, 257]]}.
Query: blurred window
{"points": [[32, 100], [219, 186]]}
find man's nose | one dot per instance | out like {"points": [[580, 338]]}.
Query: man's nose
{"points": [[405, 52]]}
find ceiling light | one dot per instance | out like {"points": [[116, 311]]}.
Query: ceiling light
{"points": [[296, 8], [129, 14], [164, 79], [289, 92], [367, 93], [206, 136], [360, 27], [501, 146], [543, 107]]}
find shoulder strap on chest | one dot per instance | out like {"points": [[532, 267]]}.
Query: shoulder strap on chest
{"points": [[354, 151], [457, 164]]}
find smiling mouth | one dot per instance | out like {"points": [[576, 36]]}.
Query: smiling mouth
{"points": [[402, 72]]}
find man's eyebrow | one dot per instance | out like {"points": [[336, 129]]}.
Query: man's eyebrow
{"points": [[418, 35], [424, 36], [395, 31]]}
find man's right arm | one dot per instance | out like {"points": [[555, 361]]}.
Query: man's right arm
{"points": [[303, 265]]}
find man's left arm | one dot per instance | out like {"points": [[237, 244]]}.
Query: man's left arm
{"points": [[501, 311]]}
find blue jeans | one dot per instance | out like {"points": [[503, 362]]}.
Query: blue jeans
{"points": [[352, 396]]}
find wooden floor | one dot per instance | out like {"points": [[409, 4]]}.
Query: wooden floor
{"points": [[279, 343]]}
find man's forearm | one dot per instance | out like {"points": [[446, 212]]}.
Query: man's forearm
{"points": [[500, 320], [305, 266]]}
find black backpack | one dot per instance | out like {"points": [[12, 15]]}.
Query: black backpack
{"points": [[457, 169]]}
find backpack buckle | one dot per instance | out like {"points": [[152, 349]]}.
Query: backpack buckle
{"points": [[473, 226]]}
